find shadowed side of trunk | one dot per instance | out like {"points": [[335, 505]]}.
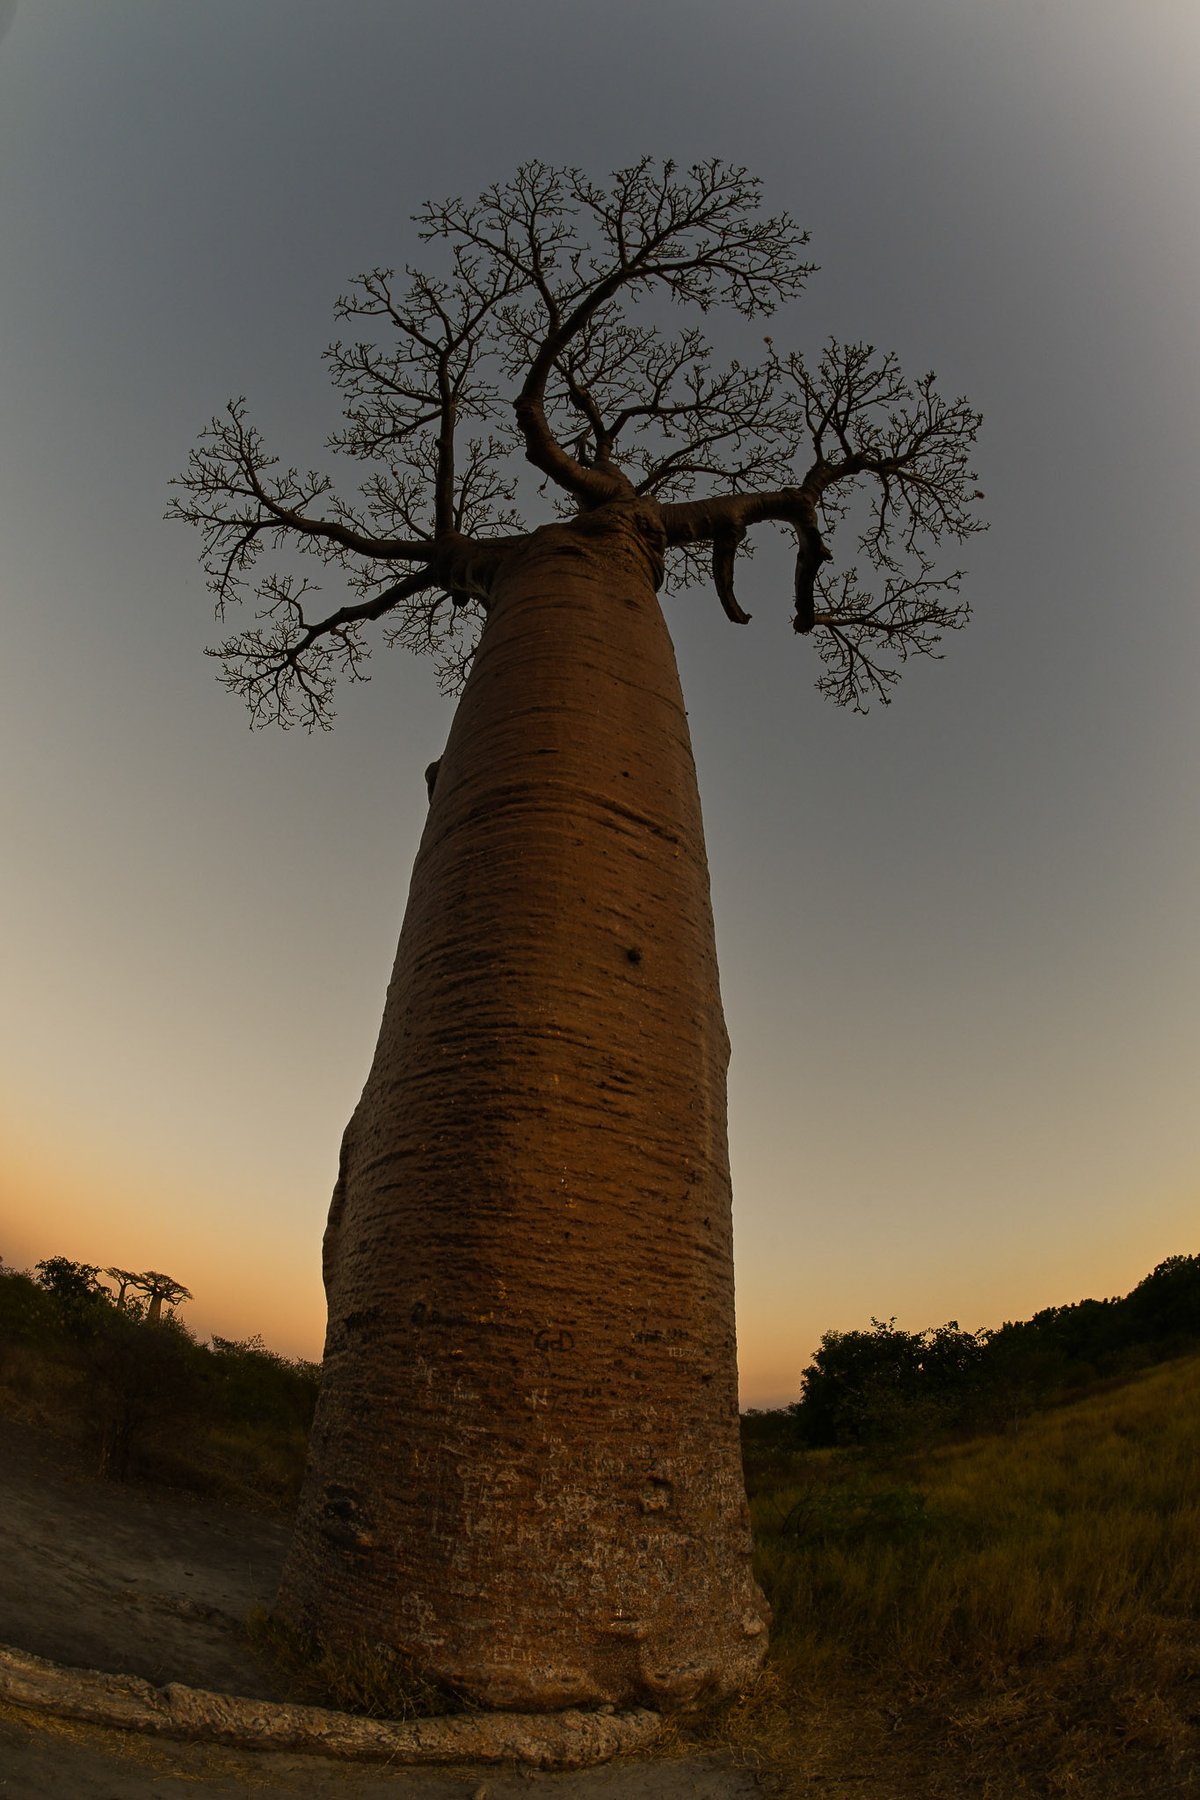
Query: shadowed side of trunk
{"points": [[524, 1470]]}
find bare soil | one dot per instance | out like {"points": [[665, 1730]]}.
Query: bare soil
{"points": [[155, 1583]]}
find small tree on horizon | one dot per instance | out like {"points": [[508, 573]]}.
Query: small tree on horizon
{"points": [[524, 1468], [125, 1279], [160, 1290]]}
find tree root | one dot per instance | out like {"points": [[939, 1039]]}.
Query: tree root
{"points": [[564, 1740]]}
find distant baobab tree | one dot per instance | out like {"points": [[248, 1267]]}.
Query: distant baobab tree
{"points": [[125, 1279], [524, 1471], [160, 1290]]}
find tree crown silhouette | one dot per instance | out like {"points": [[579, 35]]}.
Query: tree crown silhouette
{"points": [[531, 341]]}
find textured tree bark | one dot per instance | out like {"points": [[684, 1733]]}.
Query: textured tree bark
{"points": [[524, 1469]]}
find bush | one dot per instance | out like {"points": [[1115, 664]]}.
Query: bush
{"points": [[143, 1397], [892, 1389], [30, 1315], [148, 1393], [887, 1386], [257, 1386]]}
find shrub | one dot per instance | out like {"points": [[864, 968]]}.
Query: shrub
{"points": [[886, 1386], [29, 1313], [148, 1393]]}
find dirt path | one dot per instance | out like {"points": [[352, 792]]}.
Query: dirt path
{"points": [[157, 1584], [126, 1579]]}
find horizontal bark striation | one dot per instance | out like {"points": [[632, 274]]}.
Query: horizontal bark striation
{"points": [[524, 1469]]}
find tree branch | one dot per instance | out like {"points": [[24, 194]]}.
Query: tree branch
{"points": [[695, 235], [724, 551], [285, 667], [525, 344]]}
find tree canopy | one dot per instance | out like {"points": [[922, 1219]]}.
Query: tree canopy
{"points": [[537, 339], [890, 1384]]}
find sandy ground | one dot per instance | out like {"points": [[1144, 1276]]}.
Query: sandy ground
{"points": [[156, 1584]]}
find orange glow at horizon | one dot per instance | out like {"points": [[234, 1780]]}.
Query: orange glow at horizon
{"points": [[265, 1283], [58, 1204]]}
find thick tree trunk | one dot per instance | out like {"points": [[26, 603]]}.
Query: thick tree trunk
{"points": [[524, 1469]]}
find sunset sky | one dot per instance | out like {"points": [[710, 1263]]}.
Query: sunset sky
{"points": [[958, 937]]}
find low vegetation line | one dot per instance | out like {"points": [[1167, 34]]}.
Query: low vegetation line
{"points": [[984, 1574]]}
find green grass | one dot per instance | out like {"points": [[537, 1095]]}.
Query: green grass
{"points": [[1022, 1613]]}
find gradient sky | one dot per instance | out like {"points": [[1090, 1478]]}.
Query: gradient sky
{"points": [[958, 937]]}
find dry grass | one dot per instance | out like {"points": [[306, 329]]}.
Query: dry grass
{"points": [[369, 1679], [1009, 1618], [1015, 1618]]}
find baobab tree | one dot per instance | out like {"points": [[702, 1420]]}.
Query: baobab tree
{"points": [[524, 1470], [160, 1290], [125, 1279]]}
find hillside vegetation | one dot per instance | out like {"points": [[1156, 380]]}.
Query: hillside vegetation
{"points": [[1013, 1616], [984, 1565], [143, 1399], [888, 1385]]}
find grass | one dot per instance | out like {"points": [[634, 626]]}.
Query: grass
{"points": [[254, 1463], [1016, 1616], [369, 1679], [1012, 1618]]}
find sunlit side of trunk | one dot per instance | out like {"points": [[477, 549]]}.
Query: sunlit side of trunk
{"points": [[524, 1469]]}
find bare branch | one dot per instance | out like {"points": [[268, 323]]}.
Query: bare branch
{"points": [[241, 507], [864, 636], [903, 452], [811, 552], [432, 376], [285, 667], [697, 236], [525, 343], [725, 548], [877, 445], [861, 418]]}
